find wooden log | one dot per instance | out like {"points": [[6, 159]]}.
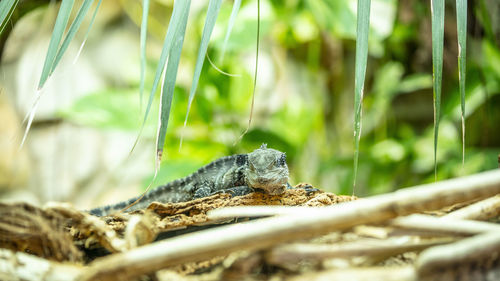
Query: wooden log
{"points": [[22, 266], [270, 231]]}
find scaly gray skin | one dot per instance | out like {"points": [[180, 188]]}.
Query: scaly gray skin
{"points": [[263, 169]]}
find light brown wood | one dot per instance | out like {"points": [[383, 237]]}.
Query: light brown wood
{"points": [[270, 231], [444, 225], [293, 253], [406, 273], [482, 210], [472, 256], [21, 266]]}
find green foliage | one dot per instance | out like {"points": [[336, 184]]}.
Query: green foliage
{"points": [[359, 73], [304, 91], [437, 8], [462, 51], [171, 78], [6, 9], [144, 31], [212, 13]]}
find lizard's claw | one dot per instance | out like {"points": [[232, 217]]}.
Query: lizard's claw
{"points": [[308, 188]]}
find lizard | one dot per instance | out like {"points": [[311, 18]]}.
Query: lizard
{"points": [[264, 169]]}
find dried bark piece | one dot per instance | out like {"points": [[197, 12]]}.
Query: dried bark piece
{"points": [[21, 266], [29, 229], [475, 258], [180, 215]]}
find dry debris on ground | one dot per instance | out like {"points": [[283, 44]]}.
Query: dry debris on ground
{"points": [[300, 235]]}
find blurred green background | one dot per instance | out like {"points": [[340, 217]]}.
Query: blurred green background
{"points": [[305, 92]]}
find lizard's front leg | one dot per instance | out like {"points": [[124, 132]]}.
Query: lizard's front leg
{"points": [[202, 190], [237, 190]]}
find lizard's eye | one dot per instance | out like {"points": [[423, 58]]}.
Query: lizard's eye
{"points": [[282, 160]]}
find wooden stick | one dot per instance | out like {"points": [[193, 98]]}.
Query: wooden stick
{"points": [[269, 231], [404, 273], [482, 210], [293, 253], [21, 266], [257, 211], [442, 225], [478, 251]]}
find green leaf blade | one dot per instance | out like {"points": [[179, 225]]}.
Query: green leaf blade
{"points": [[232, 20], [59, 28], [88, 30], [170, 78], [7, 7], [363, 25], [212, 13], [462, 54], [72, 32], [179, 7], [144, 32], [437, 11]]}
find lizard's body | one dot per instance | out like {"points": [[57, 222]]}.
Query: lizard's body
{"points": [[239, 174]]}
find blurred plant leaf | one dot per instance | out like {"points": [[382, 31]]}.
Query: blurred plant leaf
{"points": [[232, 19], [72, 31], [415, 82], [55, 40], [437, 11], [144, 32], [363, 25], [386, 84], [88, 30], [491, 59], [212, 13], [462, 51], [48, 66], [109, 109], [7, 7], [180, 9], [169, 79]]}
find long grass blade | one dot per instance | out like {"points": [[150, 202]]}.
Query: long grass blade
{"points": [[462, 54], [144, 32], [169, 82], [55, 40], [72, 31], [254, 75], [362, 30], [169, 86], [230, 24], [7, 7], [180, 6], [88, 31], [212, 13], [173, 25], [437, 10]]}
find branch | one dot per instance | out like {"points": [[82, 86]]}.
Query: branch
{"points": [[269, 231], [21, 266]]}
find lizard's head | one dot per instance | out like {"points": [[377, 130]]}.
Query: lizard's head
{"points": [[267, 170]]}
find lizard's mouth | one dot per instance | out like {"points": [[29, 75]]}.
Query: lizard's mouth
{"points": [[270, 186]]}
